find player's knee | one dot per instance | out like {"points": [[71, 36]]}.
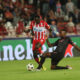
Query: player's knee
{"points": [[35, 51], [34, 55]]}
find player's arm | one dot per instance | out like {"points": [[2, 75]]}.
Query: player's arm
{"points": [[52, 44], [49, 29], [50, 33], [76, 47]]}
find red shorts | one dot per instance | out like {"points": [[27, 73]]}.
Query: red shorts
{"points": [[42, 41]]}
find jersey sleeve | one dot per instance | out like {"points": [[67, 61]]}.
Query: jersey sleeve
{"points": [[46, 25]]}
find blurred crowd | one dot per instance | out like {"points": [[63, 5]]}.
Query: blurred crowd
{"points": [[16, 15]]}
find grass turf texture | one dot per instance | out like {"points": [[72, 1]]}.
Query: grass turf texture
{"points": [[16, 70]]}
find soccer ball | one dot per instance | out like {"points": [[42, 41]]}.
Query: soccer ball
{"points": [[30, 67]]}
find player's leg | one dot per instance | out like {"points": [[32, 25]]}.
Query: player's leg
{"points": [[38, 47], [55, 67], [40, 44], [43, 57], [46, 55], [35, 51], [55, 61], [35, 55]]}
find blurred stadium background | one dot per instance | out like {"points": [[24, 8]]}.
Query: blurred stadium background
{"points": [[15, 16]]}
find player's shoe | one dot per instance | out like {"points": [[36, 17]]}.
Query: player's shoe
{"points": [[44, 68], [39, 59], [69, 67], [38, 70]]}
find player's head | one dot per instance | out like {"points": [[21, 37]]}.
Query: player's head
{"points": [[63, 33], [37, 19]]}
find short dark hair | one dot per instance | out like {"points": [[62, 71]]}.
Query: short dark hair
{"points": [[37, 16]]}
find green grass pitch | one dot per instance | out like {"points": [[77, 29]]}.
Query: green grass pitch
{"points": [[16, 70]]}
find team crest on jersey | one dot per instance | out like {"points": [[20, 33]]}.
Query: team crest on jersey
{"points": [[39, 29]]}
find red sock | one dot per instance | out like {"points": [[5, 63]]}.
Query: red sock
{"points": [[37, 60]]}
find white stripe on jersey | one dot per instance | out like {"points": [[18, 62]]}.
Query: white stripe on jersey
{"points": [[39, 31], [37, 35]]}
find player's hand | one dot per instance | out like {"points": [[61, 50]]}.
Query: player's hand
{"points": [[75, 46], [46, 37]]}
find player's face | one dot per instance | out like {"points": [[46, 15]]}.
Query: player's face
{"points": [[37, 20], [62, 33]]}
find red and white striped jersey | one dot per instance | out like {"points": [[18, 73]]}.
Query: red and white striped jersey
{"points": [[39, 29]]}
